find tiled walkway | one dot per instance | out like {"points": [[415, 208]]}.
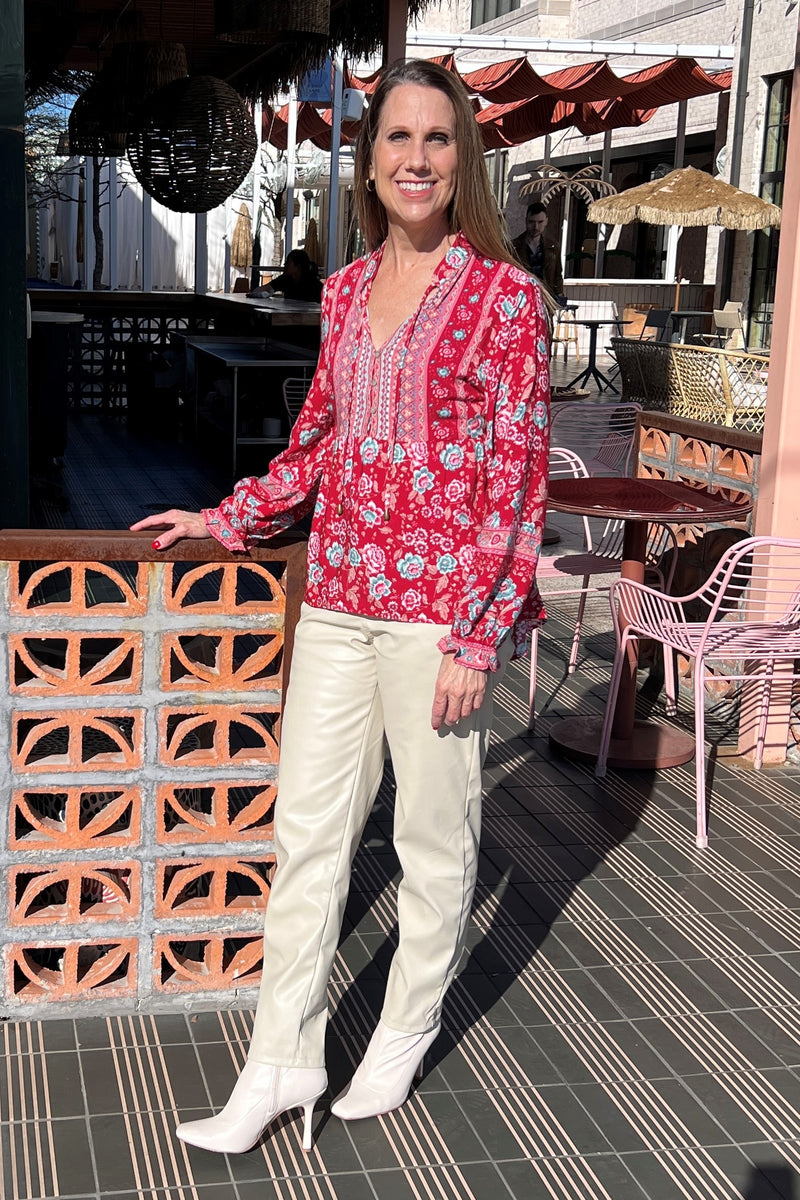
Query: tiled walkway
{"points": [[626, 1026]]}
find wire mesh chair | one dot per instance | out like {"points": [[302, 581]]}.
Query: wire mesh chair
{"points": [[600, 434], [746, 615], [601, 556], [295, 390]]}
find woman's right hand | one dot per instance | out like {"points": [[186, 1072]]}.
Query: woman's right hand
{"points": [[173, 525]]}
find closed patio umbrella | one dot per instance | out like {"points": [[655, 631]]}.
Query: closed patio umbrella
{"points": [[242, 241], [686, 197]]}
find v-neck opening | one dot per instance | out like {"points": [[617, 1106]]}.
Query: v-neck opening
{"points": [[377, 350]]}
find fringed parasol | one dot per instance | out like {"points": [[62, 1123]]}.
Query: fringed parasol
{"points": [[686, 197], [242, 240]]}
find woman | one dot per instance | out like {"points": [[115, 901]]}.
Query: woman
{"points": [[423, 448], [298, 281]]}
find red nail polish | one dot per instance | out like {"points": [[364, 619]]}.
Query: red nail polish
{"points": [[156, 545]]}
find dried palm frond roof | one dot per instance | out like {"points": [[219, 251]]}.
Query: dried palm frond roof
{"points": [[82, 34], [686, 197]]}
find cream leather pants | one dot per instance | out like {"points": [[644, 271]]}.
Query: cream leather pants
{"points": [[352, 680]]}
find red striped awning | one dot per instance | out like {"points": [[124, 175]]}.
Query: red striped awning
{"points": [[522, 104]]}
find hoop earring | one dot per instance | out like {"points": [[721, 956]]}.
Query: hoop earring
{"points": [[370, 185]]}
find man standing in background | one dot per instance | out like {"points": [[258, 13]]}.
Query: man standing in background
{"points": [[539, 254]]}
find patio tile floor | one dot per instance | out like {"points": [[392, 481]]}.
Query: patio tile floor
{"points": [[626, 1025]]}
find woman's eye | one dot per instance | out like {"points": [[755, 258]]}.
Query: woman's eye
{"points": [[441, 139], [397, 137]]}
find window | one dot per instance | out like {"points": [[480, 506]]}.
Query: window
{"points": [[765, 248], [488, 10]]}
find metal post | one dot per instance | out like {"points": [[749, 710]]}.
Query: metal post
{"points": [[147, 242], [600, 245], [333, 186], [113, 277], [13, 312], [201, 253], [88, 223], [258, 173], [291, 163], [673, 231]]}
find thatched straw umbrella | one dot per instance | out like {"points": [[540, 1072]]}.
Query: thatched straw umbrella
{"points": [[686, 197], [311, 244]]}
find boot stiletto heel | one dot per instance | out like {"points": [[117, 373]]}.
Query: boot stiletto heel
{"points": [[261, 1094], [384, 1077]]}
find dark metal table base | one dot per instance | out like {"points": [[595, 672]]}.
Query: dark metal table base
{"points": [[651, 746]]}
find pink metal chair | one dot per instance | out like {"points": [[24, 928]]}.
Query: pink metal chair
{"points": [[602, 434], [601, 556], [746, 614]]}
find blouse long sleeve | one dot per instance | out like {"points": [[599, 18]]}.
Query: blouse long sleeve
{"points": [[509, 529], [263, 506]]}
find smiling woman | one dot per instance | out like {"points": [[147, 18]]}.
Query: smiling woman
{"points": [[422, 448]]}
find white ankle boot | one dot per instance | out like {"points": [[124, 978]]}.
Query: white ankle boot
{"points": [[384, 1076], [261, 1094]]}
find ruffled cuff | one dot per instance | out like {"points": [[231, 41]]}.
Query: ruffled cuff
{"points": [[469, 654], [220, 528]]}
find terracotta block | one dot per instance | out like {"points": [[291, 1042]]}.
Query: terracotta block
{"points": [[74, 892], [76, 740], [215, 812], [225, 660], [735, 464], [218, 735], [233, 588], [69, 971], [214, 886], [654, 443], [79, 589], [74, 818], [693, 453], [75, 664], [213, 962]]}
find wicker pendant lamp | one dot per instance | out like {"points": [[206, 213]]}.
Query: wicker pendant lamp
{"points": [[94, 129], [193, 144], [265, 21], [102, 116]]}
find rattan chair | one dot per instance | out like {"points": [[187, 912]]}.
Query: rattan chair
{"points": [[744, 622], [600, 556]]}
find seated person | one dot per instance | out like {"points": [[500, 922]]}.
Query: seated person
{"points": [[298, 281], [539, 254]]}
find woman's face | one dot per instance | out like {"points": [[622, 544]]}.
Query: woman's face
{"points": [[415, 158]]}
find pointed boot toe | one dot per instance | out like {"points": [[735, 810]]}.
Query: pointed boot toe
{"points": [[261, 1094]]}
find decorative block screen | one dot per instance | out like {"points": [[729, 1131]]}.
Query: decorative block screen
{"points": [[139, 737]]}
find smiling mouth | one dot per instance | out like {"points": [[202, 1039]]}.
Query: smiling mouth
{"points": [[413, 188]]}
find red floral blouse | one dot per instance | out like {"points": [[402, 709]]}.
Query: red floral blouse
{"points": [[425, 460]]}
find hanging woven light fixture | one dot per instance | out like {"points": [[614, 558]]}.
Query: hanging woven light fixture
{"points": [[102, 116], [93, 128], [193, 144], [265, 21]]}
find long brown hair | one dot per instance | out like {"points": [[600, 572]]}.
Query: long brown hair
{"points": [[473, 209]]}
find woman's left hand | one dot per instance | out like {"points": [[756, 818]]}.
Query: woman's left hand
{"points": [[459, 692]]}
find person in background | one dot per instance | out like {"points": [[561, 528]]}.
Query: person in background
{"points": [[298, 281], [539, 254], [423, 450]]}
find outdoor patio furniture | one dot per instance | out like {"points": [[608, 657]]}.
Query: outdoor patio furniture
{"points": [[295, 390], [602, 434], [728, 328], [656, 325], [721, 386], [746, 614], [566, 331], [600, 556]]}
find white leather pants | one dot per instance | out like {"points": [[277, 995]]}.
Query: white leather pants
{"points": [[352, 680]]}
